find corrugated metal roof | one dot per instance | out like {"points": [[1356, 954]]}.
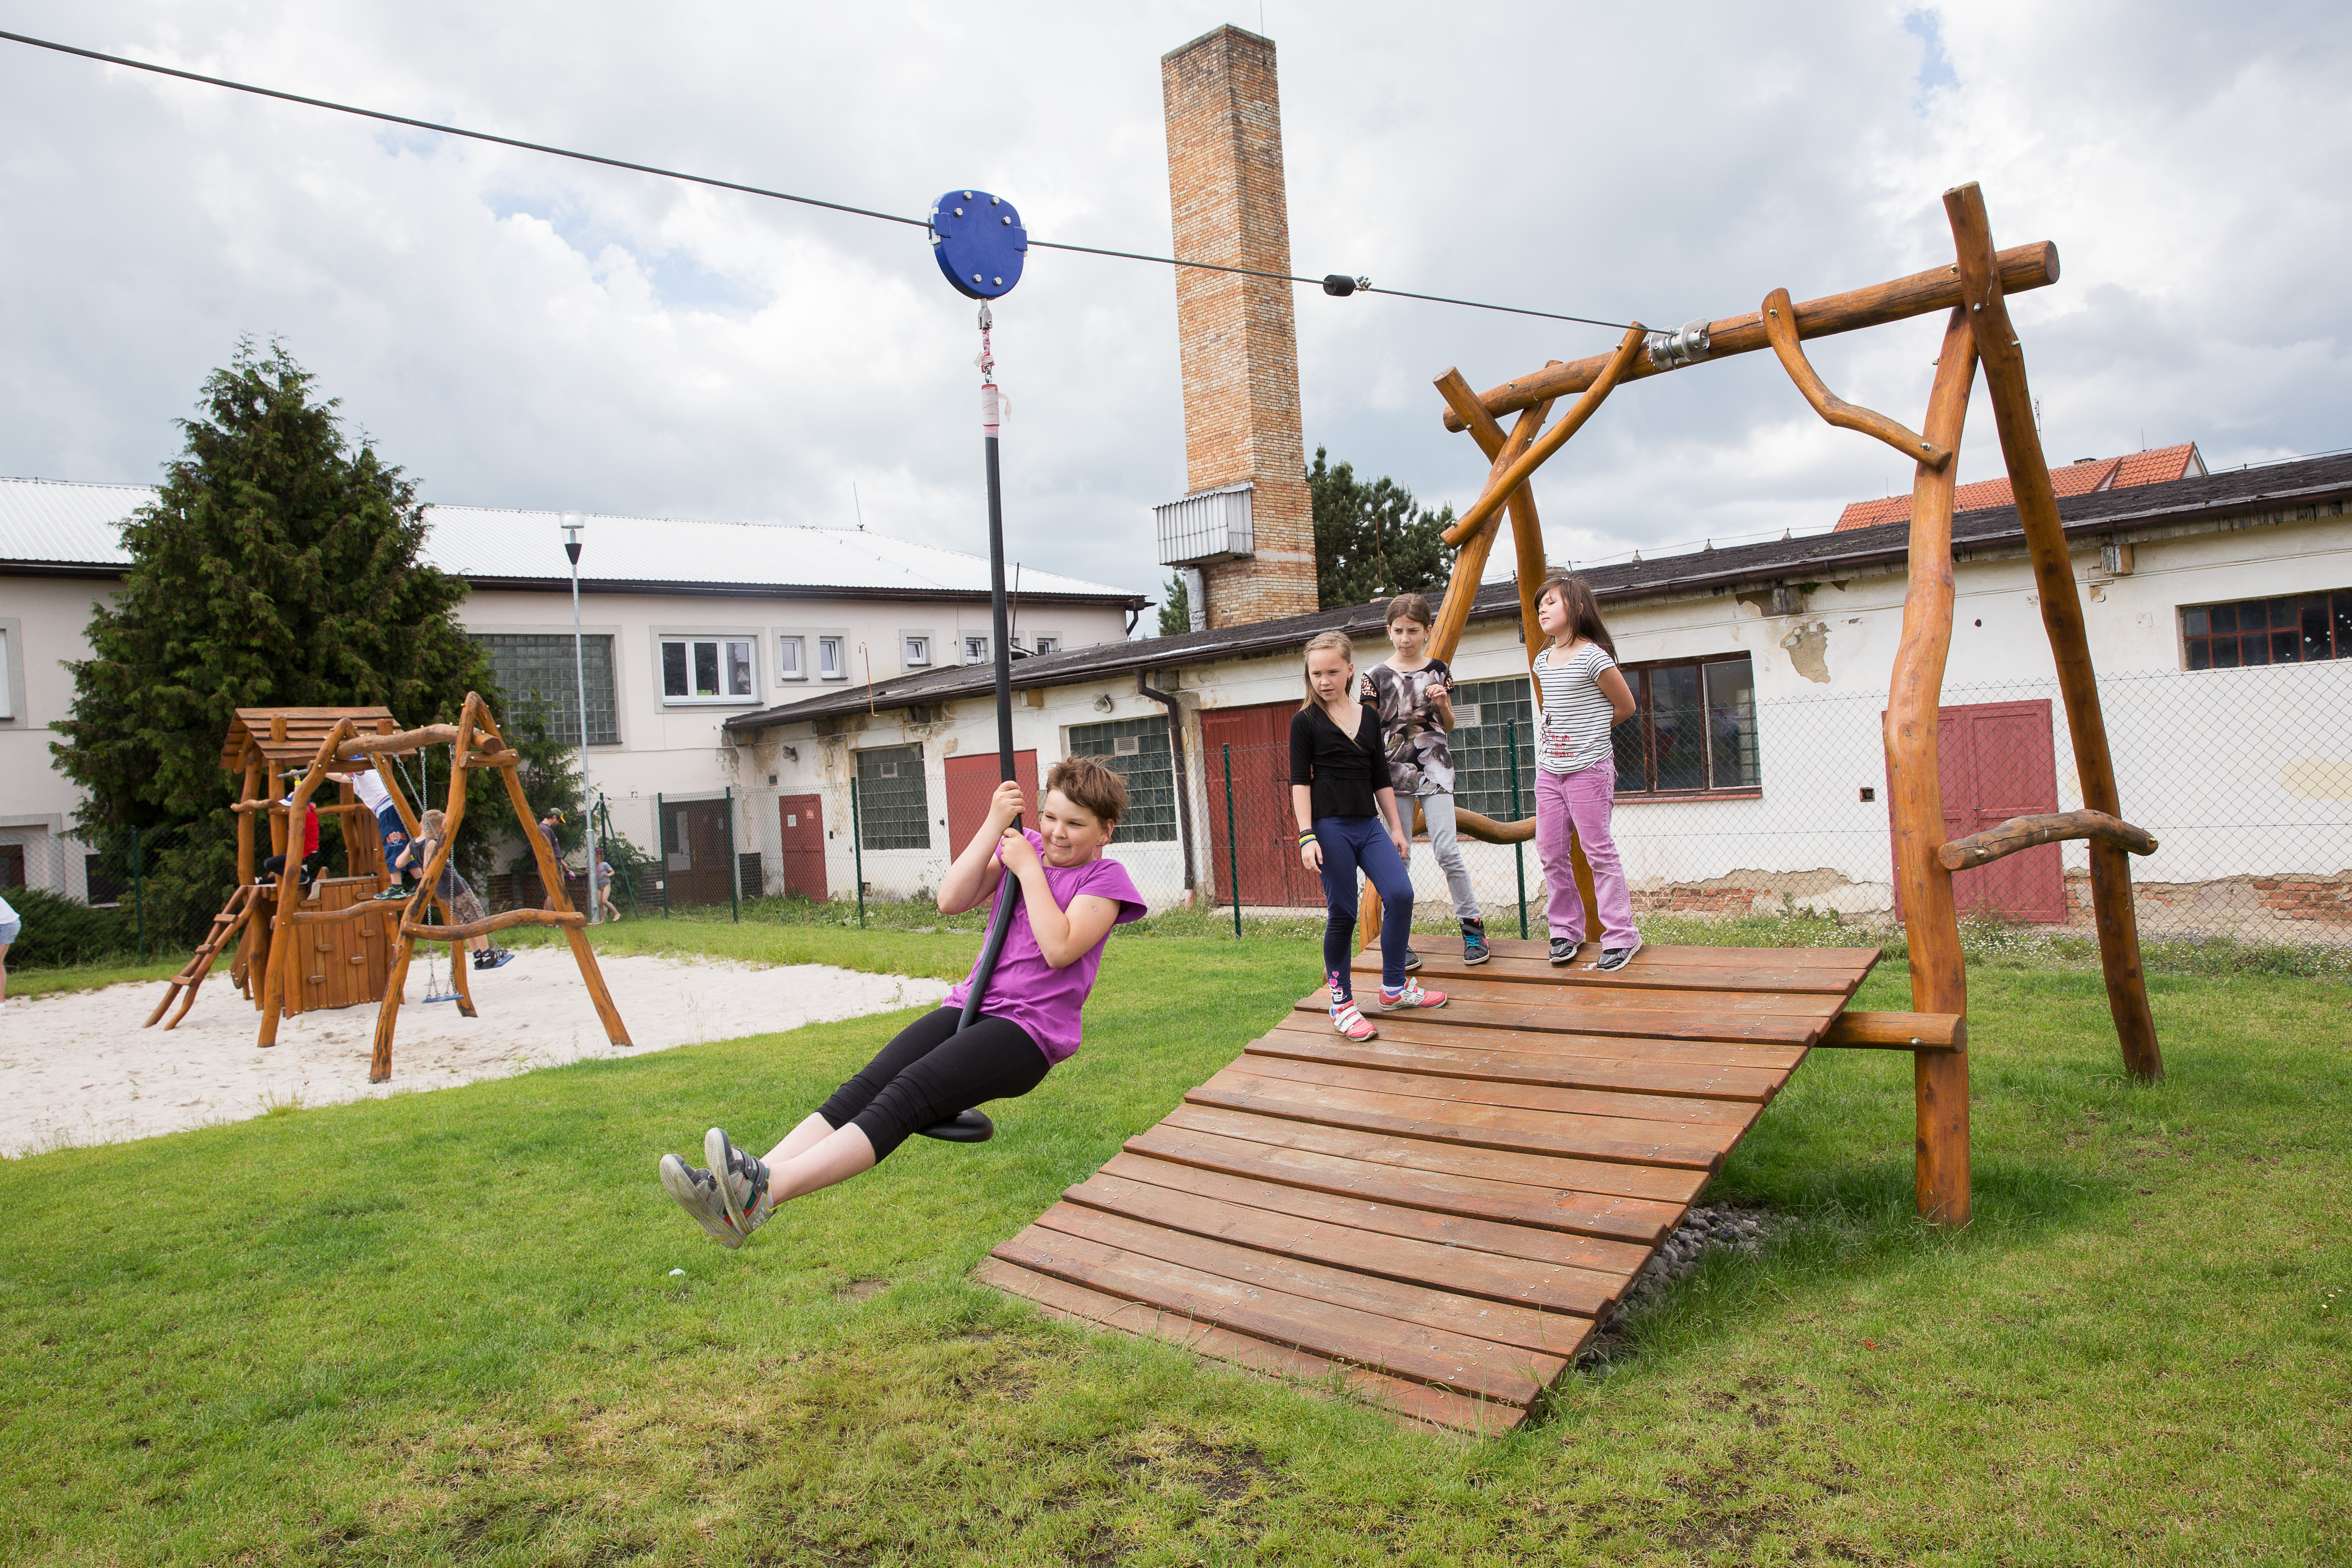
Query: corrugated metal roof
{"points": [[67, 524], [56, 522]]}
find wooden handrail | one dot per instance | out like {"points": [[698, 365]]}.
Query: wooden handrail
{"points": [[2026, 266], [505, 921], [2049, 828], [1781, 324], [1897, 1032]]}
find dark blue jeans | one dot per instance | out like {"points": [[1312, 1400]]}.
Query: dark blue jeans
{"points": [[1351, 845]]}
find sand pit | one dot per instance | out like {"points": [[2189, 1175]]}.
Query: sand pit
{"points": [[78, 1068]]}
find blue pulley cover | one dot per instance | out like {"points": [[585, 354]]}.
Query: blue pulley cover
{"points": [[978, 241]]}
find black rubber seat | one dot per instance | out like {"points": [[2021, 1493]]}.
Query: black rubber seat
{"points": [[966, 1127]]}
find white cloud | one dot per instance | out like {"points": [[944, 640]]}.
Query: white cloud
{"points": [[521, 331]]}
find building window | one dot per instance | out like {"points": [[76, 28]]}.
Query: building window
{"points": [[1137, 750], [1693, 729], [975, 649], [894, 808], [706, 669], [1482, 765], [1049, 642], [792, 659], [7, 704], [2301, 628], [829, 659], [919, 649], [534, 673]]}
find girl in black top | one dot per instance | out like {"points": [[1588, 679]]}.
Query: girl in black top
{"points": [[1347, 811]]}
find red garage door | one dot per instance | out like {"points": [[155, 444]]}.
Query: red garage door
{"points": [[801, 820], [1996, 761], [1265, 834], [971, 781]]}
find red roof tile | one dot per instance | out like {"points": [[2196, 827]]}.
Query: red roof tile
{"points": [[2080, 478]]}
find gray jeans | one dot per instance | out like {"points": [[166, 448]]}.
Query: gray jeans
{"points": [[1438, 817]]}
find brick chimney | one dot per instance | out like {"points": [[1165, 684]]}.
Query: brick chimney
{"points": [[1249, 553]]}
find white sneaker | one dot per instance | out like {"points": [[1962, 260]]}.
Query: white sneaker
{"points": [[1412, 995]]}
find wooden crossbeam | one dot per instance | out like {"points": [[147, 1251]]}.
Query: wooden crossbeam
{"points": [[2026, 266]]}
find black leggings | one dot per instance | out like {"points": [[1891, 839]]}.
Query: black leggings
{"points": [[930, 1073], [309, 865]]}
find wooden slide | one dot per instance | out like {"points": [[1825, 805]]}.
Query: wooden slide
{"points": [[1437, 1220]]}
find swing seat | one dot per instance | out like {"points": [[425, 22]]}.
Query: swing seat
{"points": [[964, 1126]]}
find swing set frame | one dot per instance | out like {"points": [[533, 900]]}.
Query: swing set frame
{"points": [[1978, 333]]}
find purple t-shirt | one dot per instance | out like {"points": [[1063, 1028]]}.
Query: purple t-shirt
{"points": [[1026, 990]]}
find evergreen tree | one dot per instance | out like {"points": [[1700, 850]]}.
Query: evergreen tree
{"points": [[1371, 540], [1176, 611], [277, 566]]}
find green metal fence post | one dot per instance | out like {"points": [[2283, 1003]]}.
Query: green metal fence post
{"points": [[661, 847], [138, 893], [1518, 850], [1232, 844], [734, 863], [857, 852]]}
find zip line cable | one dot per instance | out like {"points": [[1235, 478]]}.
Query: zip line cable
{"points": [[1329, 284]]}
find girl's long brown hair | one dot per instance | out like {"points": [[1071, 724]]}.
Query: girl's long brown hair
{"points": [[1336, 639], [1583, 611]]}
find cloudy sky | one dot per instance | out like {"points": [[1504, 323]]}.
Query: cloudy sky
{"points": [[521, 331]]}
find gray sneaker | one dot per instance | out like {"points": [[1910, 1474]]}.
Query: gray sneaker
{"points": [[742, 1181], [1614, 958], [697, 1193]]}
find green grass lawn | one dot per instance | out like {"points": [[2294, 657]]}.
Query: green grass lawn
{"points": [[444, 1326]]}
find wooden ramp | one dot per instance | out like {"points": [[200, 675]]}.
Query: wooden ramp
{"points": [[1435, 1220]]}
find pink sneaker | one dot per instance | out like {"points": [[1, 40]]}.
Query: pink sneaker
{"points": [[1412, 995], [1349, 1020]]}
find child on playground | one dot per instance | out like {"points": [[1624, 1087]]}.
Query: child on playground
{"points": [[1071, 896], [1414, 695], [310, 858], [10, 928], [1584, 698], [368, 784], [1341, 794], [464, 907], [604, 886]]}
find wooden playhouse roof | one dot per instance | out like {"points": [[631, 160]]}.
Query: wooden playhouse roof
{"points": [[306, 729]]}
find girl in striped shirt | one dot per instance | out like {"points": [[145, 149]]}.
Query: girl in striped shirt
{"points": [[1584, 697]]}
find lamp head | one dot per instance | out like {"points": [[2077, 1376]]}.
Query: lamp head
{"points": [[572, 523]]}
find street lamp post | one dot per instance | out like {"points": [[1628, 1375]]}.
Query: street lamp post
{"points": [[572, 523]]}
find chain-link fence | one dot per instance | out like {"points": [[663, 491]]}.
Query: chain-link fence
{"points": [[1728, 806], [85, 896]]}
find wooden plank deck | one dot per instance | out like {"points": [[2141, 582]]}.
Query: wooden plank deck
{"points": [[1436, 1220]]}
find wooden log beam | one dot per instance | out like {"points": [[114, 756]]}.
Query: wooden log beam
{"points": [[407, 741], [1470, 563], [2050, 827], [1781, 325], [504, 921], [1499, 489], [387, 1016], [2027, 267], [1931, 923], [1486, 830], [1897, 1032], [1984, 290], [278, 980]]}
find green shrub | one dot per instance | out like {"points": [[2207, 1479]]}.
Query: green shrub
{"points": [[59, 931]]}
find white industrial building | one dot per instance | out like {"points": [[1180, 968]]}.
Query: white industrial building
{"points": [[1754, 776]]}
